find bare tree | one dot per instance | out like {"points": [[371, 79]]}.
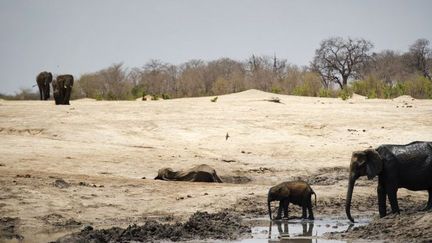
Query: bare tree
{"points": [[338, 59], [388, 66], [421, 55]]}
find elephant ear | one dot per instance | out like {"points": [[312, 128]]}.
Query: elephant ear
{"points": [[374, 163]]}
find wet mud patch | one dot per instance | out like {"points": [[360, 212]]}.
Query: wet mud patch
{"points": [[407, 227], [58, 220], [9, 228], [236, 179], [297, 230], [60, 183], [201, 225]]}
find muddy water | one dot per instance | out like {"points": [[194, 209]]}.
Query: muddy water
{"points": [[298, 231], [283, 231]]}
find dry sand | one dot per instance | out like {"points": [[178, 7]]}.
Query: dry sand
{"points": [[102, 149]]}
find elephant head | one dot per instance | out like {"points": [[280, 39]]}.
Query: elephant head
{"points": [[166, 173], [276, 193], [367, 162]]}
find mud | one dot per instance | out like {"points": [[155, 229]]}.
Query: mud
{"points": [[201, 225], [60, 183], [9, 228], [58, 220], [236, 179], [406, 227]]}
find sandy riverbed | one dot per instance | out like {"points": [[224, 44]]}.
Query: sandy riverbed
{"points": [[103, 149]]}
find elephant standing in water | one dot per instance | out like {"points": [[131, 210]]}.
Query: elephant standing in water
{"points": [[397, 166], [295, 192], [43, 81], [62, 89]]}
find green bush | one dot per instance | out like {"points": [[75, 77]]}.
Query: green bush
{"points": [[345, 93], [325, 93], [99, 96], [276, 90], [419, 87], [214, 99], [165, 96]]}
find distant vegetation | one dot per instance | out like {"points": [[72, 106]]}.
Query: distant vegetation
{"points": [[339, 68]]}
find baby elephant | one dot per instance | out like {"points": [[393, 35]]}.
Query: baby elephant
{"points": [[296, 192]]}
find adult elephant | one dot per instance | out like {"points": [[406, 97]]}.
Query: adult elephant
{"points": [[199, 173], [62, 89], [43, 81], [397, 166]]}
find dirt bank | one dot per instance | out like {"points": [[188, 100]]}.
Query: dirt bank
{"points": [[201, 225]]}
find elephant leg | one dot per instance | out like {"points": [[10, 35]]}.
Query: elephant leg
{"points": [[392, 196], [382, 208], [47, 96], [66, 97], [285, 208], [279, 214], [304, 208], [429, 203], [311, 215]]}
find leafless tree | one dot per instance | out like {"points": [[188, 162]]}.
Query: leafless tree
{"points": [[421, 55], [388, 66], [337, 59]]}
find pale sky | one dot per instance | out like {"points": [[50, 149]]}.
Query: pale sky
{"points": [[79, 36]]}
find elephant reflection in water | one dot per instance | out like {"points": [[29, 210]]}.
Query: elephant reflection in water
{"points": [[285, 237]]}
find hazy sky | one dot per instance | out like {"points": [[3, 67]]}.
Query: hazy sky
{"points": [[87, 35]]}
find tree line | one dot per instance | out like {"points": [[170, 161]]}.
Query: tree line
{"points": [[340, 67]]}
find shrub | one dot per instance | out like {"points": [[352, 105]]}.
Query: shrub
{"points": [[345, 93], [214, 99], [325, 93], [419, 87], [276, 90]]}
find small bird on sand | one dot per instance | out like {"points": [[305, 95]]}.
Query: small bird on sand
{"points": [[227, 136]]}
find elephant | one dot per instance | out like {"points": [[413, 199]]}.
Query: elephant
{"points": [[62, 89], [200, 173], [296, 192], [43, 81], [397, 166]]}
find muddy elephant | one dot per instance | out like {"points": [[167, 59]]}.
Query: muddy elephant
{"points": [[397, 166], [200, 173], [43, 81], [62, 89], [295, 192]]}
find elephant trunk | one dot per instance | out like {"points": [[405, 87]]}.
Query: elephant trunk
{"points": [[348, 198]]}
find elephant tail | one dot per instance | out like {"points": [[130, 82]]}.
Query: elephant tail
{"points": [[315, 197]]}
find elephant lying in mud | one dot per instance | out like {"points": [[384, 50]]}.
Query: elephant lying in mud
{"points": [[295, 192], [200, 173], [397, 166]]}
